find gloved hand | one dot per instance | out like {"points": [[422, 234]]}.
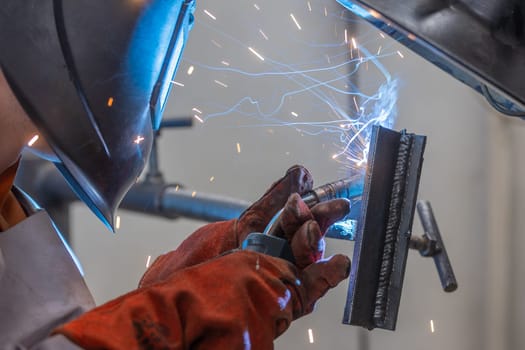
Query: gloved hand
{"points": [[227, 302], [214, 239]]}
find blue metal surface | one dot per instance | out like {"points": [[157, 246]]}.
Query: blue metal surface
{"points": [[481, 43]]}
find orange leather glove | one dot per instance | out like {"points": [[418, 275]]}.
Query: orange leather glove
{"points": [[214, 239], [239, 300]]}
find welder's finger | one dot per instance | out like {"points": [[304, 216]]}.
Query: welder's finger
{"points": [[318, 278], [296, 180], [295, 213], [307, 244], [329, 212]]}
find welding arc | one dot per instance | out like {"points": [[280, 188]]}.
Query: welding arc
{"points": [[392, 228]]}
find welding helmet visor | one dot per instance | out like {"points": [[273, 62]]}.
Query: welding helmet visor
{"points": [[94, 76]]}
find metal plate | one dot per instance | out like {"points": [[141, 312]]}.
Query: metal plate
{"points": [[371, 229]]}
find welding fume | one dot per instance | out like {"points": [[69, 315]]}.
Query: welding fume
{"points": [[84, 84]]}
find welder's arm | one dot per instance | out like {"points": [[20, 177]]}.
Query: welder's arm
{"points": [[227, 302], [237, 299]]}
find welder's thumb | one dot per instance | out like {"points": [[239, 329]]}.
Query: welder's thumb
{"points": [[254, 219], [321, 276]]}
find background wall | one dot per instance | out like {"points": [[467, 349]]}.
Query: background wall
{"points": [[471, 175]]}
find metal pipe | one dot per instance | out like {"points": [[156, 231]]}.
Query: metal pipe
{"points": [[43, 181], [171, 201]]}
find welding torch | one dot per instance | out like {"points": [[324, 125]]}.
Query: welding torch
{"points": [[268, 243], [429, 245]]}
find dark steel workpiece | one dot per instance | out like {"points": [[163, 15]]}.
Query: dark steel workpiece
{"points": [[368, 257]]}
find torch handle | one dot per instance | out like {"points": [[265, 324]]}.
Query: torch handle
{"points": [[349, 188]]}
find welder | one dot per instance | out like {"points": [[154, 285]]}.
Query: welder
{"points": [[84, 83]]}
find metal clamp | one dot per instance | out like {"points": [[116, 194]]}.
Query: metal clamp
{"points": [[431, 245]]}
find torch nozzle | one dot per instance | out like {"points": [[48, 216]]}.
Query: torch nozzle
{"points": [[349, 188]]}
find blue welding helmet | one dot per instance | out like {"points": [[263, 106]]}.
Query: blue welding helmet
{"points": [[94, 76], [479, 42]]}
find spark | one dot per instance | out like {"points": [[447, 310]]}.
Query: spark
{"points": [[365, 157], [195, 109], [216, 44], [139, 139], [411, 36], [349, 128], [198, 118], [212, 178], [310, 335], [148, 260], [220, 83], [256, 7], [193, 194], [110, 101], [400, 54], [355, 104], [177, 188], [117, 222], [190, 70], [295, 21], [177, 83], [374, 14], [263, 34], [354, 43], [382, 35], [33, 140], [210, 15], [256, 53], [432, 326]]}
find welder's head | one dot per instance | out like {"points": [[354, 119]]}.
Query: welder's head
{"points": [[94, 76]]}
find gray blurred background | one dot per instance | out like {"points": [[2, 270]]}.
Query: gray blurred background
{"points": [[472, 174]]}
